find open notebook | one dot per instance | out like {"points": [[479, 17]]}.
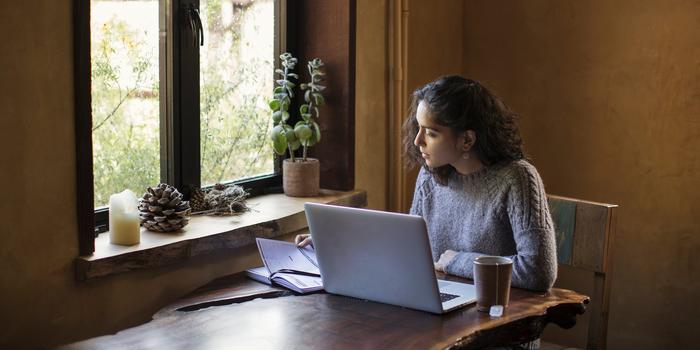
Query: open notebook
{"points": [[287, 265]]}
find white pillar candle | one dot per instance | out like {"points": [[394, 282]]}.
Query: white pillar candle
{"points": [[124, 223]]}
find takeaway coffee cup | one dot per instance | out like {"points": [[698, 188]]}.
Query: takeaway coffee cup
{"points": [[492, 281]]}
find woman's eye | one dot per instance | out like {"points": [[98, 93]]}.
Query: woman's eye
{"points": [[430, 134]]}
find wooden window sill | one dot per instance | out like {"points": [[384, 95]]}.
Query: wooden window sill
{"points": [[271, 216]]}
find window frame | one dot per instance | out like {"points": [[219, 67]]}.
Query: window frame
{"points": [[337, 170], [180, 156]]}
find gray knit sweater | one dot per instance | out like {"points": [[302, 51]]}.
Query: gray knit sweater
{"points": [[498, 210]]}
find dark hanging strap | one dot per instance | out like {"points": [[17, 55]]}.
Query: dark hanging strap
{"points": [[194, 21], [198, 22]]}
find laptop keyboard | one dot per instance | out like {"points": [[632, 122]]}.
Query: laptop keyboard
{"points": [[447, 297]]}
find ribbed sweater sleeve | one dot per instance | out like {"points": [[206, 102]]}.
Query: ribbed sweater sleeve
{"points": [[525, 234], [535, 264]]}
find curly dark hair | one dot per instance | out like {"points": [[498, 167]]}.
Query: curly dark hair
{"points": [[463, 104]]}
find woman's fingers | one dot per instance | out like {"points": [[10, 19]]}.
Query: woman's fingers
{"points": [[300, 238], [444, 260], [303, 240]]}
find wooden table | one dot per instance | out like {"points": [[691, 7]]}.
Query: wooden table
{"points": [[234, 312]]}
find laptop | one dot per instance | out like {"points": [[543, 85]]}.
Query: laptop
{"points": [[381, 256]]}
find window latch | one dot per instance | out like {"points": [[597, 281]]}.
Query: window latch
{"points": [[194, 21]]}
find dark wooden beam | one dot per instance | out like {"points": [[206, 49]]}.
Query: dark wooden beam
{"points": [[83, 127], [326, 29]]}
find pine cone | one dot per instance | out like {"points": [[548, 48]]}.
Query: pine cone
{"points": [[197, 202], [162, 209]]}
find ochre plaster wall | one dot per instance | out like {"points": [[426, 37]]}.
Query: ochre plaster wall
{"points": [[434, 48], [609, 98], [371, 96]]}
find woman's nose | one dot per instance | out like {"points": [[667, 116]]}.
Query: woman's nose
{"points": [[418, 140]]}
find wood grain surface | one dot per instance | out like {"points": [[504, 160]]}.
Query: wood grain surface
{"points": [[236, 313], [271, 216]]}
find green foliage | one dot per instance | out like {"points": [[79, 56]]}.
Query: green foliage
{"points": [[125, 145], [306, 132], [282, 135], [233, 120], [125, 99], [307, 129]]}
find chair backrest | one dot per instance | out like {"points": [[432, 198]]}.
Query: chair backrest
{"points": [[584, 232]]}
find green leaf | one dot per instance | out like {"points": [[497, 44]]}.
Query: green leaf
{"points": [[304, 86], [303, 132], [279, 90], [304, 109], [317, 132], [307, 96], [279, 145], [319, 99], [285, 116], [279, 71], [296, 76], [310, 142], [306, 117], [290, 135], [274, 105], [295, 145], [276, 131], [277, 116], [279, 140], [289, 84]]}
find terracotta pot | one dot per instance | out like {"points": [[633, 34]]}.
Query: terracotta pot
{"points": [[301, 179]]}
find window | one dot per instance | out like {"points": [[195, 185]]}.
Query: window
{"points": [[151, 123], [234, 115], [154, 104], [125, 96]]}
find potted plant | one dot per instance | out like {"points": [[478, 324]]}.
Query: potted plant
{"points": [[300, 176]]}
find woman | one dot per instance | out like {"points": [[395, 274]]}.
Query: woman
{"points": [[475, 189]]}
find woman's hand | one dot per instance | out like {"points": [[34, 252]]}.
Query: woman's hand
{"points": [[444, 260], [303, 240]]}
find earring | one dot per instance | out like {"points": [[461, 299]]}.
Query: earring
{"points": [[465, 155]]}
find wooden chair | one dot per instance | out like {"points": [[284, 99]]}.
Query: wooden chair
{"points": [[584, 233]]}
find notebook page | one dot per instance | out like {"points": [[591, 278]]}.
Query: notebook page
{"points": [[280, 255], [310, 253]]}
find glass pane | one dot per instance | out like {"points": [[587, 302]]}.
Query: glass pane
{"points": [[236, 79], [125, 107]]}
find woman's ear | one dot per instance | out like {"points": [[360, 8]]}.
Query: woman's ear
{"points": [[468, 140]]}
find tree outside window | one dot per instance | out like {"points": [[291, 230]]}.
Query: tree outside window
{"points": [[236, 65]]}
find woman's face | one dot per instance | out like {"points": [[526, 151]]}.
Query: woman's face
{"points": [[438, 144]]}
